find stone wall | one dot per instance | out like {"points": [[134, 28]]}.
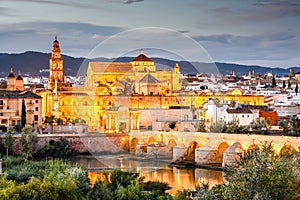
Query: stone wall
{"points": [[86, 143], [66, 129]]}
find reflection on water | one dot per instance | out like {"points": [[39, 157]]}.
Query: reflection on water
{"points": [[178, 178]]}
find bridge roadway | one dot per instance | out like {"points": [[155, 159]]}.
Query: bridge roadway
{"points": [[205, 148]]}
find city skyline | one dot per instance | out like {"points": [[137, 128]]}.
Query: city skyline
{"points": [[261, 32]]}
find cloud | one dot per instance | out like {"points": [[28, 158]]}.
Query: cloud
{"points": [[38, 36], [273, 47], [60, 3], [5, 12], [131, 1]]}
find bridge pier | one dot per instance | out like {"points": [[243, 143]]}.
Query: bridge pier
{"points": [[141, 149], [231, 155], [206, 156], [178, 153], [154, 151]]}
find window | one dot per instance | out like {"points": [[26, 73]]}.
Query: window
{"points": [[13, 122], [248, 116], [3, 121], [36, 108], [36, 101], [242, 115], [1, 114], [19, 122], [1, 102], [36, 117], [195, 117]]}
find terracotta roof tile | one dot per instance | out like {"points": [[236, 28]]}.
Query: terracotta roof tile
{"points": [[110, 67]]}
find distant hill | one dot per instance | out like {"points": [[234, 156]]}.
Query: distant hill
{"points": [[32, 62]]}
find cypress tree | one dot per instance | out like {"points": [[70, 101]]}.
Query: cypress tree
{"points": [[23, 114], [273, 81], [283, 84], [296, 88], [289, 84]]}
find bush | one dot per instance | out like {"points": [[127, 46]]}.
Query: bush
{"points": [[56, 149], [262, 175], [44, 180]]}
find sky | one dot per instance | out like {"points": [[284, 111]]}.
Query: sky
{"points": [[254, 32]]}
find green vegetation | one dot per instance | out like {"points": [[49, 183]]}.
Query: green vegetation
{"points": [[200, 126], [283, 84], [23, 114], [55, 149], [172, 125], [8, 140], [260, 174], [127, 185], [28, 142], [273, 81], [230, 127], [290, 126], [42, 180], [56, 179]]}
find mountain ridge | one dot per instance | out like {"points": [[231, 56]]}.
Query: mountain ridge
{"points": [[31, 62]]}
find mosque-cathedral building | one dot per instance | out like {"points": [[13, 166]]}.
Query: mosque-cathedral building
{"points": [[125, 96]]}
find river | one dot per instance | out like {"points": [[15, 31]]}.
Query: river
{"points": [[152, 170]]}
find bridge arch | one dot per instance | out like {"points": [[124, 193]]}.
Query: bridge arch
{"points": [[172, 143], [287, 149], [221, 148], [151, 140], [237, 147], [252, 146], [133, 144], [190, 152]]}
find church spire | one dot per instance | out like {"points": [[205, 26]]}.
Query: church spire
{"points": [[11, 74], [56, 67]]}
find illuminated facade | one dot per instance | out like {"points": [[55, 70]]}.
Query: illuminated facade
{"points": [[116, 93], [56, 77], [11, 103]]}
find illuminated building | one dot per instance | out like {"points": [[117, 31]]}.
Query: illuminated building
{"points": [[117, 93], [11, 103]]}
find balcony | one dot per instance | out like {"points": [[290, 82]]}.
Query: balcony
{"points": [[30, 111], [30, 103]]}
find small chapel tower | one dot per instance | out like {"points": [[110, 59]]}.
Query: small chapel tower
{"points": [[11, 80], [56, 67]]}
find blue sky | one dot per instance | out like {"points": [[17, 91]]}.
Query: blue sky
{"points": [[263, 32]]}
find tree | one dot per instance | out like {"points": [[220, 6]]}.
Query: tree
{"points": [[273, 81], [28, 142], [259, 126], [283, 84], [23, 114], [286, 125], [290, 126], [8, 140], [233, 126], [262, 174], [296, 88], [200, 126], [218, 127], [232, 103], [172, 125], [289, 83]]}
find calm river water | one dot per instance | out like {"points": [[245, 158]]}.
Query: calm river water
{"points": [[152, 170]]}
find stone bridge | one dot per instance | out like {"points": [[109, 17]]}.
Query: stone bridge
{"points": [[205, 148]]}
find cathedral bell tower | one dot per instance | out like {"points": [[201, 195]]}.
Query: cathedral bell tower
{"points": [[56, 77]]}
